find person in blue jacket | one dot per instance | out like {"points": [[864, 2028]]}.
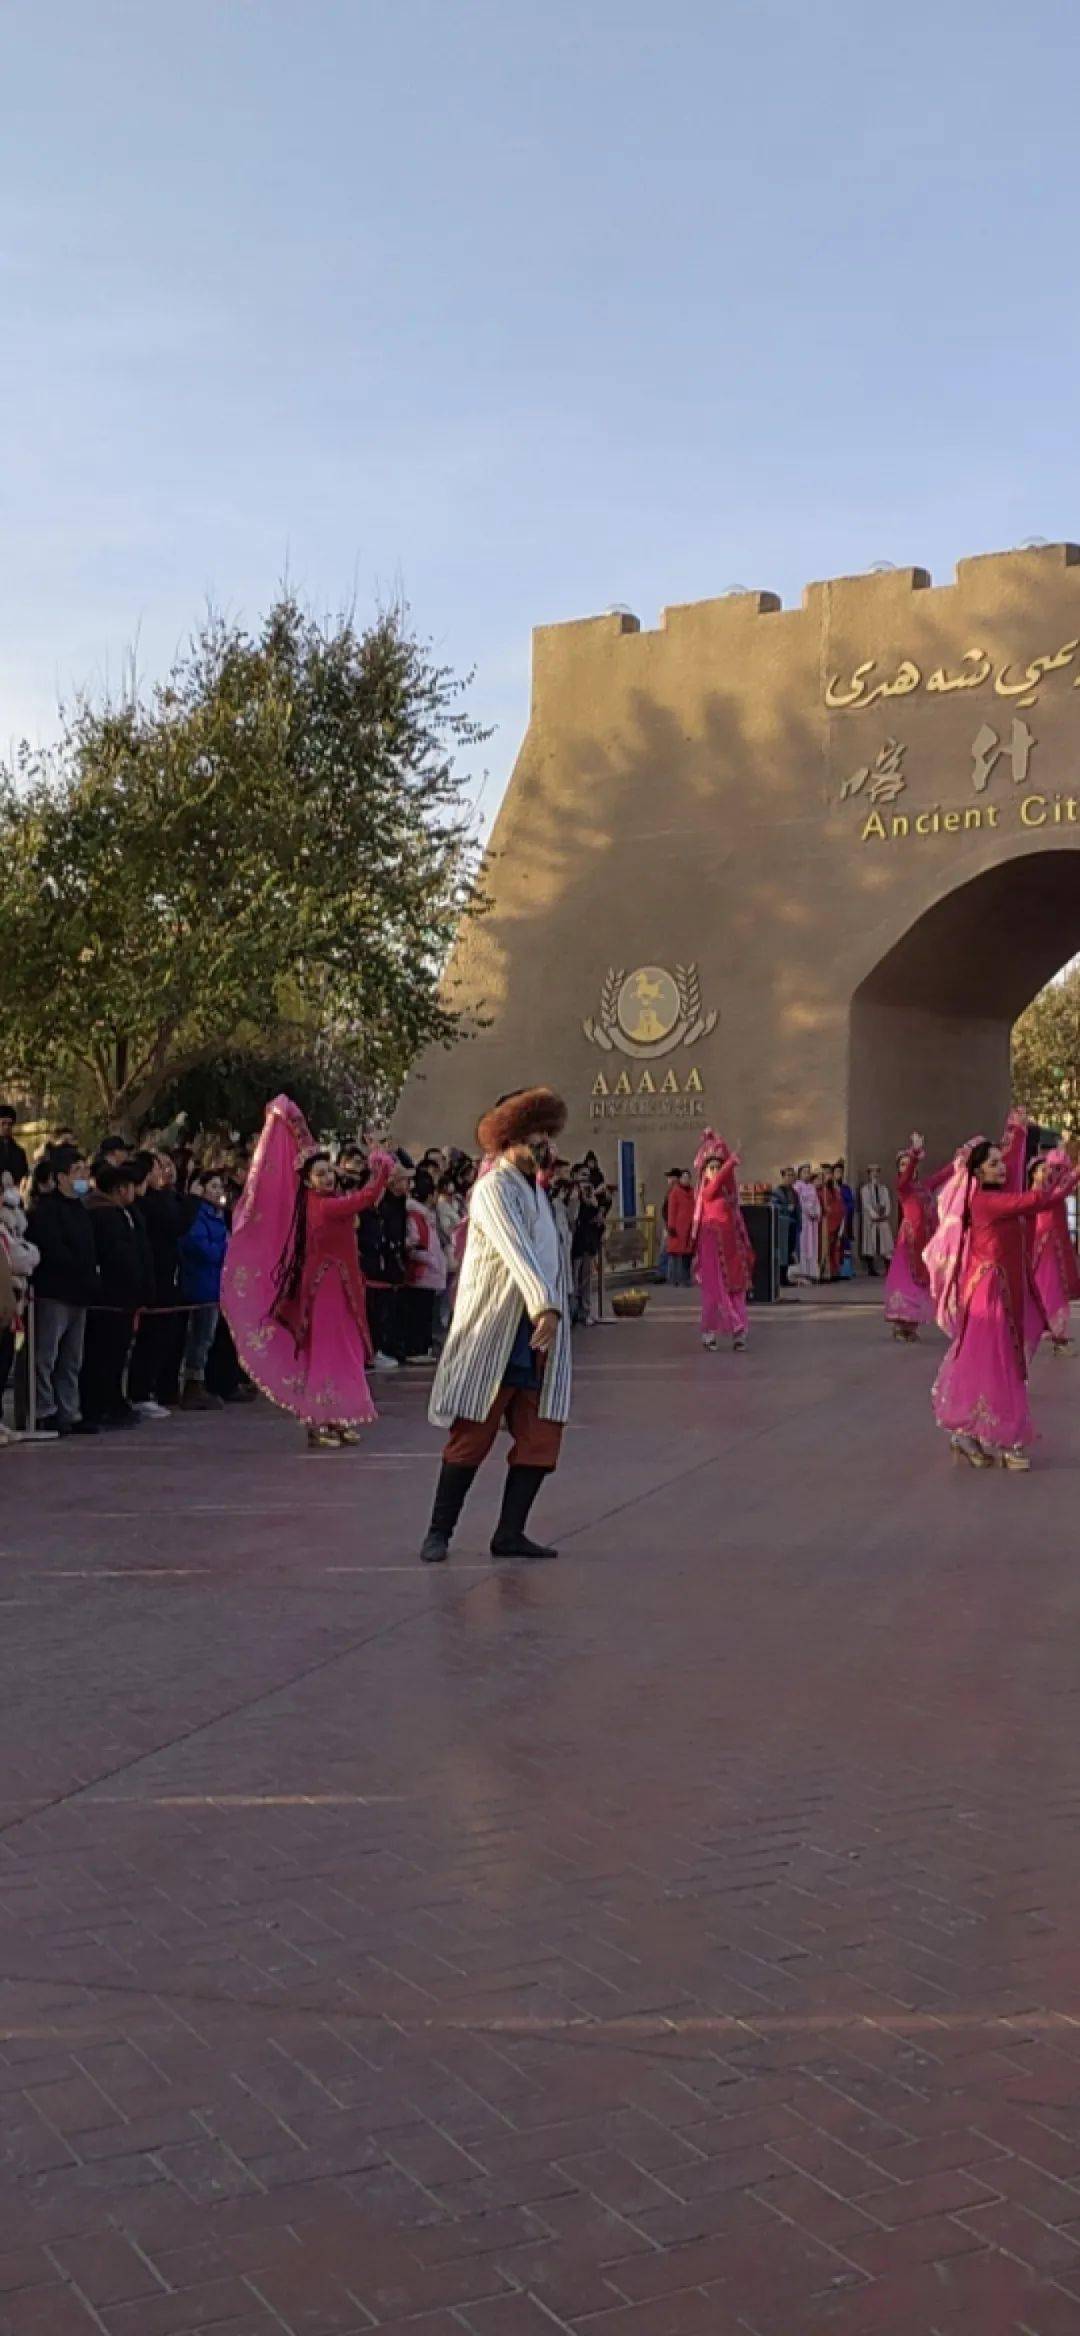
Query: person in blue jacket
{"points": [[202, 1255]]}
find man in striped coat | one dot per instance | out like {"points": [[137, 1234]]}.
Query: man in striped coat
{"points": [[506, 1361]]}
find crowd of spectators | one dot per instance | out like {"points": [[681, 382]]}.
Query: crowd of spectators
{"points": [[118, 1251], [120, 1256]]}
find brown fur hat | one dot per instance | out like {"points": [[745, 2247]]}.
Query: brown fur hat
{"points": [[530, 1111]]}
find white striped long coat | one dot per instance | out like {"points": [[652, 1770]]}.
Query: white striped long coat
{"points": [[514, 1263]]}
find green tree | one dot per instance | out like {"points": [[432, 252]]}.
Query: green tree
{"points": [[226, 1093], [1046, 1055], [277, 834]]}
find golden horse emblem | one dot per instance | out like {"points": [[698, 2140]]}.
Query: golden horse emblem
{"points": [[649, 1012]]}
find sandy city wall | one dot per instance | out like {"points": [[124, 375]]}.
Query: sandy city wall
{"points": [[835, 842]]}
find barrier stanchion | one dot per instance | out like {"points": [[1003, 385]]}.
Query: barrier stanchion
{"points": [[25, 1376]]}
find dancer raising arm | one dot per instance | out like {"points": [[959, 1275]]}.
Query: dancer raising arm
{"points": [[291, 1287], [723, 1255], [1054, 1260], [978, 1268], [908, 1302]]}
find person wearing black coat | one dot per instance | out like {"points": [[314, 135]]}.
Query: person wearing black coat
{"points": [[382, 1234], [126, 1271], [65, 1283], [154, 1369], [13, 1160], [587, 1240]]}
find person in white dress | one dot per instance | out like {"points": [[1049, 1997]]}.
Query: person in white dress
{"points": [[807, 1265], [875, 1220]]}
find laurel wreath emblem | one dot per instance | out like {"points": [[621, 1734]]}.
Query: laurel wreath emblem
{"points": [[693, 1022]]}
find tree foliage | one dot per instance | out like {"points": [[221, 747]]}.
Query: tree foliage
{"points": [[1046, 1055], [276, 834], [226, 1093]]}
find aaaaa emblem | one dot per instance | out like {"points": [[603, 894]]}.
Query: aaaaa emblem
{"points": [[649, 1012]]}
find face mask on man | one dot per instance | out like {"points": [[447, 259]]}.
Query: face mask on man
{"points": [[80, 1186]]}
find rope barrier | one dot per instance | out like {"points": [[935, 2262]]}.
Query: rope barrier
{"points": [[26, 1357]]}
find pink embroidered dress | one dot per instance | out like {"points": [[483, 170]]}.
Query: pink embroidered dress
{"points": [[907, 1283], [979, 1265], [309, 1351], [723, 1254], [1014, 1146], [1056, 1269], [981, 1388]]}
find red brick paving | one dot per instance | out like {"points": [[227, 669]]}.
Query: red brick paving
{"points": [[679, 1941]]}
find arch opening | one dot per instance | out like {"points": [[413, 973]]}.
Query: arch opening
{"points": [[931, 1024]]}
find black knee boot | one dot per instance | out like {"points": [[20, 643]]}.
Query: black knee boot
{"points": [[511, 1539], [450, 1494]]}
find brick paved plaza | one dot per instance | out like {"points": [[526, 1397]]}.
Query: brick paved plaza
{"points": [[678, 1940]]}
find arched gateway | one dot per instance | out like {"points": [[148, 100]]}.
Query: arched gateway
{"points": [[794, 872]]}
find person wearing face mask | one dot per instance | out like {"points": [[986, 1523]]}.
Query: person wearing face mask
{"points": [[979, 1270], [65, 1283], [291, 1286], [506, 1361]]}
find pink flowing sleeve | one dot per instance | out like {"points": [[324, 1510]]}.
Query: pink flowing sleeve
{"points": [[1065, 1180], [366, 1196], [999, 1205], [261, 1229]]}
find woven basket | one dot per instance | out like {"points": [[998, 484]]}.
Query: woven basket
{"points": [[629, 1304]]}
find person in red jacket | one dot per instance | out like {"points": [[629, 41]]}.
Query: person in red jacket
{"points": [[678, 1227]]}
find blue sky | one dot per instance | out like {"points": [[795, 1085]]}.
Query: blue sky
{"points": [[525, 309]]}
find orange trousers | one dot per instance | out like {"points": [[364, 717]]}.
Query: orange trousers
{"points": [[535, 1441]]}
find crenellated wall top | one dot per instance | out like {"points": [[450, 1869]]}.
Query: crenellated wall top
{"points": [[986, 577]]}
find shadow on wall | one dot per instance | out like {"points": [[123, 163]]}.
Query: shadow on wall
{"points": [[931, 1025], [716, 830], [626, 842]]}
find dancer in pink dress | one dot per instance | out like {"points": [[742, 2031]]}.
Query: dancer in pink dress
{"points": [[1014, 1149], [1054, 1260], [723, 1255], [291, 1287], [908, 1302], [979, 1270]]}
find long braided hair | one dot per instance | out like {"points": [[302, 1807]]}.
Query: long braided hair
{"points": [[290, 1267]]}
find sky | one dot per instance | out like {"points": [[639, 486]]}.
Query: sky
{"points": [[523, 310]]}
